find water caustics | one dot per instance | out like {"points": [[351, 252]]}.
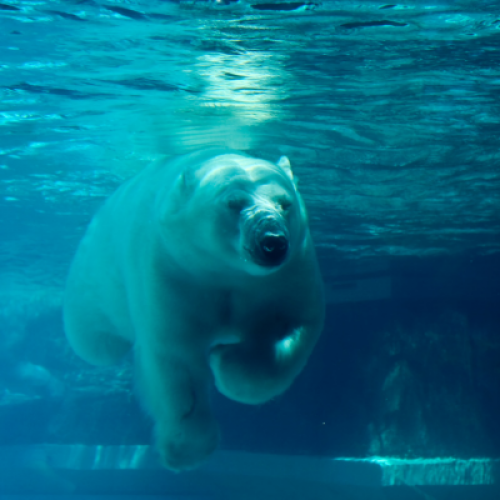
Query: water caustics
{"points": [[388, 112]]}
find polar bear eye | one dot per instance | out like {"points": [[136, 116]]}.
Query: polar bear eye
{"points": [[285, 204], [237, 204]]}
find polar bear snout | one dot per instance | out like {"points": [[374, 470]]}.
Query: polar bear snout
{"points": [[267, 238], [272, 248]]}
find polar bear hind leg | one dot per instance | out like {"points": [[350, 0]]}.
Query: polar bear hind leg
{"points": [[91, 335]]}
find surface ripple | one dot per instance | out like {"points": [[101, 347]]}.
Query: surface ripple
{"points": [[388, 112]]}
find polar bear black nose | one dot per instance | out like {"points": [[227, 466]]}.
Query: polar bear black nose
{"points": [[273, 247]]}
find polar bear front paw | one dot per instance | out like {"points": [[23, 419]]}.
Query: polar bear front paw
{"points": [[187, 445]]}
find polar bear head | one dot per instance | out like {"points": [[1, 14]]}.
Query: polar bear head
{"points": [[235, 211]]}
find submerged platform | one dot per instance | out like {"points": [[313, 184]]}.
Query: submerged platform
{"points": [[134, 473]]}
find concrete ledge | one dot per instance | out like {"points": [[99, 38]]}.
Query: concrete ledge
{"points": [[135, 470]]}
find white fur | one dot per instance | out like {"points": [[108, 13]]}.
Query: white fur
{"points": [[165, 267]]}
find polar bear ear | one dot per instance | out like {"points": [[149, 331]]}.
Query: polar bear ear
{"points": [[186, 184], [284, 163], [179, 194]]}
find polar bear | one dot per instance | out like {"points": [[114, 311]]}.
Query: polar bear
{"points": [[205, 266]]}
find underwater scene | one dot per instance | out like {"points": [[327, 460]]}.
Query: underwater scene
{"points": [[249, 249]]}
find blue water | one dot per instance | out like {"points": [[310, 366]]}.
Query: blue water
{"points": [[390, 115]]}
